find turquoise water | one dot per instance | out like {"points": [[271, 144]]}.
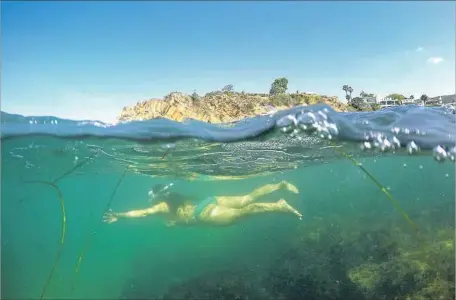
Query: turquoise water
{"points": [[323, 256]]}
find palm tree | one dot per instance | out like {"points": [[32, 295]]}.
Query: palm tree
{"points": [[350, 90]]}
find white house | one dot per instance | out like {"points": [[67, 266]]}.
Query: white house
{"points": [[388, 102], [441, 100], [408, 101], [370, 100]]}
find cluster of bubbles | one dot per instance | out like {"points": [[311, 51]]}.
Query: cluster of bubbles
{"points": [[309, 122], [318, 123], [440, 154]]}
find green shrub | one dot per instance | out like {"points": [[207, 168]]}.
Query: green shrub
{"points": [[195, 97], [281, 100]]}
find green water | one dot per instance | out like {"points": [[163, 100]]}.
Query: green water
{"points": [[145, 258]]}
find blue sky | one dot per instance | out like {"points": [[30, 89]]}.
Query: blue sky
{"points": [[87, 60]]}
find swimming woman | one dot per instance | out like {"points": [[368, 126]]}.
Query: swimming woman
{"points": [[215, 210]]}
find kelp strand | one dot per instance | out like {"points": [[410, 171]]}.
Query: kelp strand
{"points": [[88, 240], [54, 185], [62, 237]]}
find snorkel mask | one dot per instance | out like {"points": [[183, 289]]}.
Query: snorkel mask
{"points": [[159, 190]]}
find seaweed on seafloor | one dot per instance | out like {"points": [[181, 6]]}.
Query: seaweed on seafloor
{"points": [[412, 272], [88, 240], [356, 260], [239, 283], [54, 185]]}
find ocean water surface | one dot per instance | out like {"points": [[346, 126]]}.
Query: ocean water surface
{"points": [[376, 191]]}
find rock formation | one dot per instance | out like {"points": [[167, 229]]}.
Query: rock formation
{"points": [[220, 107]]}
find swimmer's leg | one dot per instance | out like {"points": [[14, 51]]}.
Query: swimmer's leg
{"points": [[110, 217], [279, 206], [242, 201], [224, 216]]}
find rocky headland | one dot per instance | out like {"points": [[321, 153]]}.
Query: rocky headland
{"points": [[221, 106]]}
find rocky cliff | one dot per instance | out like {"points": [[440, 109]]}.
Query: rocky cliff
{"points": [[220, 107]]}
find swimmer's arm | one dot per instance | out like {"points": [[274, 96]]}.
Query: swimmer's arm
{"points": [[111, 217], [132, 214]]}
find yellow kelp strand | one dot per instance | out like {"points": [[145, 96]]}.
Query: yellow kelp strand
{"points": [[62, 236], [54, 185]]}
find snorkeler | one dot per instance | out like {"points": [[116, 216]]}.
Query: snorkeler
{"points": [[215, 210]]}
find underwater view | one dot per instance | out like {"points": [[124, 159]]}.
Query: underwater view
{"points": [[305, 203]]}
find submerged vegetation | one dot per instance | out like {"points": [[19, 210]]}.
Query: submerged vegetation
{"points": [[325, 261]]}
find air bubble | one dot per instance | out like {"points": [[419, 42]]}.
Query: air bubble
{"points": [[366, 146], [304, 127], [396, 142], [169, 146], [412, 148], [385, 145], [286, 121], [287, 129], [306, 119], [439, 154], [452, 154], [333, 129], [323, 115]]}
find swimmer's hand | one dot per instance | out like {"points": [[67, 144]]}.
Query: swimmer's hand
{"points": [[110, 217]]}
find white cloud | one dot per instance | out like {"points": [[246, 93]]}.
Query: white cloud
{"points": [[419, 49], [435, 60]]}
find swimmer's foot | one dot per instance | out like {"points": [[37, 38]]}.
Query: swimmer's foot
{"points": [[290, 187], [288, 208]]}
